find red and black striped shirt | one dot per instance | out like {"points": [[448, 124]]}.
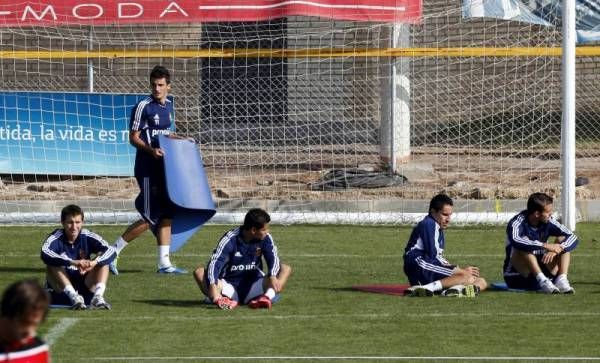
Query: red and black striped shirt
{"points": [[34, 350]]}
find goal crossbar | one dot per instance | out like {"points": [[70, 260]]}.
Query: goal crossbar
{"points": [[301, 53]]}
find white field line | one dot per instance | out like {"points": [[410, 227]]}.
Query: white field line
{"points": [[321, 317], [330, 358], [236, 318], [58, 330], [301, 255]]}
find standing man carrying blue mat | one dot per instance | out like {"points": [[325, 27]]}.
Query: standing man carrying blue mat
{"points": [[150, 119]]}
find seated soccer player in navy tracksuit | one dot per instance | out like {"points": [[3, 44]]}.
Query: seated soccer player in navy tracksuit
{"points": [[76, 263], [24, 308], [234, 275], [531, 262], [424, 264]]}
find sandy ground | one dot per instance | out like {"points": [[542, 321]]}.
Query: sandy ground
{"points": [[273, 175]]}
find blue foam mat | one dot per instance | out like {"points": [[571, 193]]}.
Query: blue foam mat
{"points": [[501, 286], [59, 306], [188, 189]]}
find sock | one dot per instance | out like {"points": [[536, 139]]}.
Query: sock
{"points": [[227, 290], [541, 277], [99, 289], [120, 243], [70, 292], [434, 286], [270, 293], [163, 256]]}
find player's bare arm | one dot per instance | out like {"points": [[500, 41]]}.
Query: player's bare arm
{"points": [[553, 247], [136, 141]]}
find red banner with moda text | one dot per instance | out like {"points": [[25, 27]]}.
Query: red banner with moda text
{"points": [[106, 12]]}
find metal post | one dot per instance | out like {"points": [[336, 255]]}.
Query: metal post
{"points": [[90, 63], [568, 116]]}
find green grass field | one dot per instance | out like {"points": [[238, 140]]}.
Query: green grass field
{"points": [[159, 318]]}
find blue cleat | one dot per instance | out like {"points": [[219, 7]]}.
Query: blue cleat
{"points": [[113, 266], [171, 270]]}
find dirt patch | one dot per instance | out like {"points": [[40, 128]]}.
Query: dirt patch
{"points": [[276, 175]]}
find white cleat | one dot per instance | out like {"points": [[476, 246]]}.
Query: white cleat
{"points": [[98, 303], [78, 303], [564, 286], [548, 287]]}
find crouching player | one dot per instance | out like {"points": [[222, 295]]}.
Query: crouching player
{"points": [[427, 270], [234, 275], [76, 263], [531, 262]]}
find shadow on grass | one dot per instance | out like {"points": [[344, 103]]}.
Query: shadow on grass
{"points": [[174, 303], [358, 290], [126, 271], [588, 283], [596, 283], [336, 289], [23, 269]]}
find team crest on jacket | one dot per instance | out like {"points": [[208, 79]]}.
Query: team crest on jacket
{"points": [[258, 252]]}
